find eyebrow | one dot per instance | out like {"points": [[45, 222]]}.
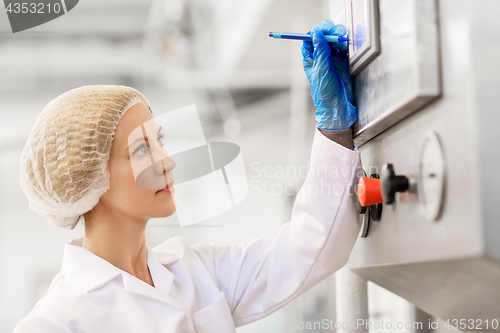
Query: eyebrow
{"points": [[145, 138]]}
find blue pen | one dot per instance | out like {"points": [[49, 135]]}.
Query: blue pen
{"points": [[289, 35]]}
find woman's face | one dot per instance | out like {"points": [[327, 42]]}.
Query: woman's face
{"points": [[124, 194]]}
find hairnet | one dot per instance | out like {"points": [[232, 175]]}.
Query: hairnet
{"points": [[64, 165]]}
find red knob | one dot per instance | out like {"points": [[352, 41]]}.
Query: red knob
{"points": [[369, 191]]}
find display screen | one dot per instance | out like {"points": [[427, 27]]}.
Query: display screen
{"points": [[359, 23]]}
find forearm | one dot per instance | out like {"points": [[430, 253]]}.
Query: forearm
{"points": [[342, 137]]}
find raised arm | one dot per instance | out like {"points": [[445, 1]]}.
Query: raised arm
{"points": [[260, 276]]}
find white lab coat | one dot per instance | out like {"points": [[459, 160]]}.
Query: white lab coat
{"points": [[206, 287]]}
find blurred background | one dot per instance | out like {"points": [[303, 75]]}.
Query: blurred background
{"points": [[248, 89]]}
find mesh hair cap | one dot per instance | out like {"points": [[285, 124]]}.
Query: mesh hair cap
{"points": [[64, 165]]}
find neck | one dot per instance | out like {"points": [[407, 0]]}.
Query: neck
{"points": [[119, 239]]}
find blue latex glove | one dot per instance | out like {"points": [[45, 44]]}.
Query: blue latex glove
{"points": [[327, 69]]}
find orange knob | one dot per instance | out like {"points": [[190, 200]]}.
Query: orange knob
{"points": [[369, 191]]}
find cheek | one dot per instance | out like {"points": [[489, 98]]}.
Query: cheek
{"points": [[123, 186]]}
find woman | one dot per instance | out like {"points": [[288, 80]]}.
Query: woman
{"points": [[76, 165]]}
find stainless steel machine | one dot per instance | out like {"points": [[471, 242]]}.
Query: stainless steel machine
{"points": [[427, 87]]}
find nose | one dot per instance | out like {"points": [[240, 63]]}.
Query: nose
{"points": [[164, 163]]}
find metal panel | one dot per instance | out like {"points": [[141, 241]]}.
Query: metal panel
{"points": [[449, 267]]}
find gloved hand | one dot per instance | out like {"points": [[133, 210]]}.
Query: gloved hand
{"points": [[327, 69]]}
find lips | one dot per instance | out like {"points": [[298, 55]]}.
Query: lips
{"points": [[169, 185]]}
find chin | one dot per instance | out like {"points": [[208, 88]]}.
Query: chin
{"points": [[166, 211]]}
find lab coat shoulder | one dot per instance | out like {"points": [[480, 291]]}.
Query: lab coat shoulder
{"points": [[43, 317], [40, 324]]}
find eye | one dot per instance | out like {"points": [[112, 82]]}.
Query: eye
{"points": [[141, 150], [160, 139]]}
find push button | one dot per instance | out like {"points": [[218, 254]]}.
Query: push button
{"points": [[369, 191], [369, 196]]}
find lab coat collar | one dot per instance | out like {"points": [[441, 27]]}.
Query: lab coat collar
{"points": [[91, 272], [84, 268], [163, 257]]}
